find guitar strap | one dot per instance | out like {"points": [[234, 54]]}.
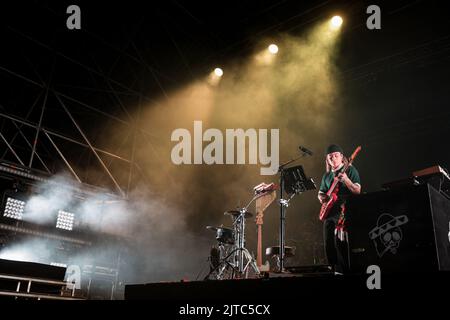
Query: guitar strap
{"points": [[341, 227]]}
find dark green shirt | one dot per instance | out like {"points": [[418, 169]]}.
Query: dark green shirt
{"points": [[328, 178]]}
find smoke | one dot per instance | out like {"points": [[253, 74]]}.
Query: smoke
{"points": [[144, 236], [295, 91], [37, 250], [48, 198], [164, 218]]}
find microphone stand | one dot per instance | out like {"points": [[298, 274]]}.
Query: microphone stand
{"points": [[283, 205]]}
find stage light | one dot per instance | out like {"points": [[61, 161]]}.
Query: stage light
{"points": [[273, 49], [65, 220], [336, 22], [14, 208], [218, 72]]}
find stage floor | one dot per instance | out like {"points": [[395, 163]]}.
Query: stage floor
{"points": [[281, 286]]}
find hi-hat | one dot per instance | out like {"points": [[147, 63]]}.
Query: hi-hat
{"points": [[236, 213]]}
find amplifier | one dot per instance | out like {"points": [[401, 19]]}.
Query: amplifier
{"points": [[400, 230]]}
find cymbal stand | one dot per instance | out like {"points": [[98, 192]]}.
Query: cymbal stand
{"points": [[241, 253]]}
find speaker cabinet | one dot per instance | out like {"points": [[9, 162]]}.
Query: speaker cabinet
{"points": [[401, 230]]}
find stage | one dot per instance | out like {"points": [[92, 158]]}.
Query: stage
{"points": [[175, 151], [284, 287]]}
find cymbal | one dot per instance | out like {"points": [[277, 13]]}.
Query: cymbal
{"points": [[236, 213], [217, 228]]}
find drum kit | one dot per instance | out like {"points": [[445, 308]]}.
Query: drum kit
{"points": [[229, 258]]}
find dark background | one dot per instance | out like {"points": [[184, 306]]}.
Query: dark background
{"points": [[394, 81]]}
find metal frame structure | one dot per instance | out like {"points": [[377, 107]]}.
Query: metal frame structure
{"points": [[50, 134], [42, 132], [37, 295], [33, 142]]}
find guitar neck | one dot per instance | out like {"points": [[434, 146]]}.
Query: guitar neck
{"points": [[336, 180], [333, 186]]}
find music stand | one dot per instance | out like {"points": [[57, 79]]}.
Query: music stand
{"points": [[294, 181]]}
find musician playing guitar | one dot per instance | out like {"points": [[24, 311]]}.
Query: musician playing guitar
{"points": [[349, 183]]}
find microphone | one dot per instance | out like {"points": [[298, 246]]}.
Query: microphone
{"points": [[305, 150]]}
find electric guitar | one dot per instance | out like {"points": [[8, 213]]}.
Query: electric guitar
{"points": [[333, 191]]}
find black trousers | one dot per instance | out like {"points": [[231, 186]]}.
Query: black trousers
{"points": [[336, 250]]}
